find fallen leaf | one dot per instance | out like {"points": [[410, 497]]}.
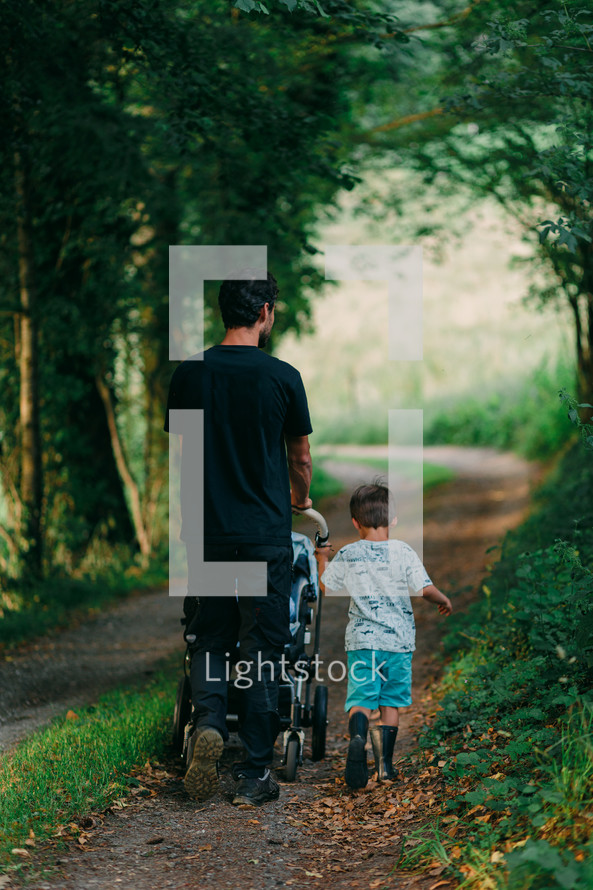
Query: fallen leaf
{"points": [[496, 856], [71, 715], [18, 851]]}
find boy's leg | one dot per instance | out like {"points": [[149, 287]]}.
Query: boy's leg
{"points": [[389, 715], [362, 698], [357, 771], [395, 693], [383, 739]]}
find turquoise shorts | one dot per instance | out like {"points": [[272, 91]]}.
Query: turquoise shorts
{"points": [[379, 678]]}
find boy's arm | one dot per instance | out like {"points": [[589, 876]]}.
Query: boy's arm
{"points": [[434, 595], [322, 556]]}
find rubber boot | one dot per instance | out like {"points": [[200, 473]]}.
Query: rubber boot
{"points": [[357, 773], [383, 739]]}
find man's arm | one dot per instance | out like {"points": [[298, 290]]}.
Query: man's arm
{"points": [[434, 595], [300, 469]]}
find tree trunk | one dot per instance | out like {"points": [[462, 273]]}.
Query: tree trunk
{"points": [[31, 483], [582, 306], [124, 470], [155, 356]]}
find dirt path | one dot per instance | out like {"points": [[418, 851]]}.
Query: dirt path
{"points": [[318, 832]]}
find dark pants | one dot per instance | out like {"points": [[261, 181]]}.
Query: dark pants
{"points": [[260, 627]]}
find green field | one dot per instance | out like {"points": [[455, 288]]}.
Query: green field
{"points": [[433, 474], [492, 365]]}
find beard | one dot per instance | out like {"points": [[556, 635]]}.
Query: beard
{"points": [[264, 336]]}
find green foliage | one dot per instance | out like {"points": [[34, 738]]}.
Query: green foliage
{"points": [[29, 611], [81, 765], [323, 485], [505, 111], [353, 427], [521, 418], [137, 126], [574, 415], [515, 722]]}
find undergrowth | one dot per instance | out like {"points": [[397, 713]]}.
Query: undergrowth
{"points": [[79, 765], [29, 610], [513, 733]]}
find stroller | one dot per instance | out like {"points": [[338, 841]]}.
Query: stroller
{"points": [[296, 710]]}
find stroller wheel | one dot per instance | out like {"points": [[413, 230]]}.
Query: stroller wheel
{"points": [[182, 712], [291, 760], [319, 723]]}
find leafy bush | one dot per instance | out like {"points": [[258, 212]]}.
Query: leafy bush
{"points": [[514, 727], [522, 417]]}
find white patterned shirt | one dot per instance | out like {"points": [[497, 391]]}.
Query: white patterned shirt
{"points": [[379, 577]]}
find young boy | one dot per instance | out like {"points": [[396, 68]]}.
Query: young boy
{"points": [[378, 574]]}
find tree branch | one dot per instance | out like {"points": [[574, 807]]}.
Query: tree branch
{"points": [[408, 119], [458, 17], [12, 547]]}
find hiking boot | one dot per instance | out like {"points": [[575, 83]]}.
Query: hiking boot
{"points": [[357, 773], [383, 739], [252, 791], [204, 749]]}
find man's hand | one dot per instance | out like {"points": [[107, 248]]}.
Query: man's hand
{"points": [[305, 506]]}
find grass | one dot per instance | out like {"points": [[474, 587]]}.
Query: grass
{"points": [[81, 764], [514, 725], [520, 414], [323, 484], [524, 416], [492, 364], [433, 474], [27, 612]]}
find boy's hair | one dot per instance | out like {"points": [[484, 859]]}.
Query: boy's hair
{"points": [[242, 296], [372, 505]]}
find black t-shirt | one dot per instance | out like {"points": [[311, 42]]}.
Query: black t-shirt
{"points": [[251, 401]]}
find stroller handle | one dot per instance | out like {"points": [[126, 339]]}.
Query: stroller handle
{"points": [[322, 533]]}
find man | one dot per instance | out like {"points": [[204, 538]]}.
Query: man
{"points": [[256, 464]]}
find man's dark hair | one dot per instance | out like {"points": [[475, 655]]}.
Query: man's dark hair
{"points": [[372, 506], [242, 296]]}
